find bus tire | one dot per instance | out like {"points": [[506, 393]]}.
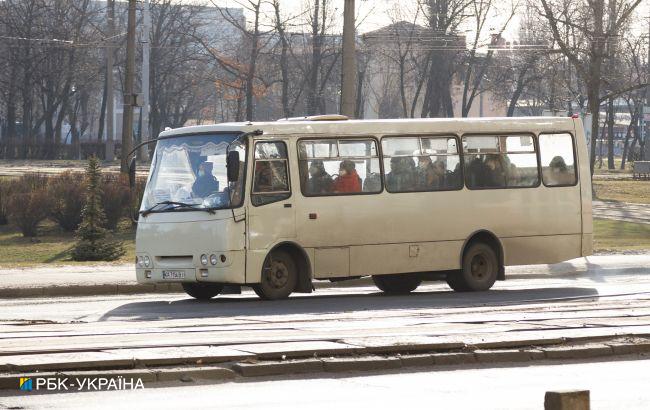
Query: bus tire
{"points": [[202, 291], [479, 271], [397, 284], [279, 277]]}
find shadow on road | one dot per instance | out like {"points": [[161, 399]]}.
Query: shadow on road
{"points": [[346, 303]]}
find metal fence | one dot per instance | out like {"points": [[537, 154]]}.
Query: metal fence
{"points": [[82, 150]]}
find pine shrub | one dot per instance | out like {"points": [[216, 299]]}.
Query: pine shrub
{"points": [[67, 193], [93, 244]]}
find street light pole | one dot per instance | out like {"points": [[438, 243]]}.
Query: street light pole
{"points": [[349, 65], [146, 28], [129, 96]]}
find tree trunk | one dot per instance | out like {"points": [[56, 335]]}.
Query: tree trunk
{"points": [[610, 134]]}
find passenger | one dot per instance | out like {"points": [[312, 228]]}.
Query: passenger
{"points": [[440, 174], [319, 182], [426, 178], [372, 183], [401, 177], [496, 176], [205, 183], [558, 172], [263, 177], [348, 179]]}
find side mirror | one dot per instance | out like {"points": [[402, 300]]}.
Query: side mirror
{"points": [[132, 173], [232, 164]]}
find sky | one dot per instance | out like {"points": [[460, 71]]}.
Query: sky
{"points": [[374, 14]]}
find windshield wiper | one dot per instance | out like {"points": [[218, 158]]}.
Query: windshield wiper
{"points": [[177, 205]]}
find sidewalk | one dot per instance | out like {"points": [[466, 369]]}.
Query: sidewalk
{"points": [[86, 280]]}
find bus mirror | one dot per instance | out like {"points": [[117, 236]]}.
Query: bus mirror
{"points": [[232, 164], [132, 173]]}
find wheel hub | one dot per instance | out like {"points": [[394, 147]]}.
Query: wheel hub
{"points": [[480, 267], [278, 275]]}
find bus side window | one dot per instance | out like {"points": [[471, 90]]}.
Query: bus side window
{"points": [[270, 173], [500, 161], [558, 162]]}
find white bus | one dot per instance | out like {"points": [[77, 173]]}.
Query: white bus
{"points": [[278, 205]]}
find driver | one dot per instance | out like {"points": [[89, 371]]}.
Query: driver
{"points": [[205, 184]]}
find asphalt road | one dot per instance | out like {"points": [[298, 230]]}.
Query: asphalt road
{"points": [[575, 297], [612, 385]]}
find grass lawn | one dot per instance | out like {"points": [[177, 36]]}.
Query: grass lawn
{"points": [[618, 236], [622, 190], [52, 246]]}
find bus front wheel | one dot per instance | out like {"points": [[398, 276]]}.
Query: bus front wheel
{"points": [[479, 271], [279, 277], [202, 291], [397, 284]]}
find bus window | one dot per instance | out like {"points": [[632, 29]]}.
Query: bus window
{"points": [[500, 161], [270, 173], [339, 167], [558, 162], [421, 164]]}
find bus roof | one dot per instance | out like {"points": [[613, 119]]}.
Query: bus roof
{"points": [[338, 127]]}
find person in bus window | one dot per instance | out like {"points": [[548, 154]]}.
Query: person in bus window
{"points": [[319, 182], [426, 177], [558, 172], [348, 179], [402, 175], [496, 175], [440, 174], [205, 183]]}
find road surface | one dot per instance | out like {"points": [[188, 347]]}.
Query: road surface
{"points": [[622, 211], [581, 296]]}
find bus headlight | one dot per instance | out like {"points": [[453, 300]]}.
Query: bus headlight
{"points": [[147, 261], [140, 262], [213, 259], [204, 259]]}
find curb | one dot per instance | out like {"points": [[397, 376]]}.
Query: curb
{"points": [[392, 360], [89, 290]]}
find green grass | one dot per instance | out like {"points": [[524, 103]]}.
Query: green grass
{"points": [[618, 236], [52, 246], [622, 190]]}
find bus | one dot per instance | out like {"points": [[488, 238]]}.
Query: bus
{"points": [[278, 205]]}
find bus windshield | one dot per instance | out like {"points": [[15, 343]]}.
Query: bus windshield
{"points": [[189, 173]]}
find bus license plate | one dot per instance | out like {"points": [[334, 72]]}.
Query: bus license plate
{"points": [[173, 274]]}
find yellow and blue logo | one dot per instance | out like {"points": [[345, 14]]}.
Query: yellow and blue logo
{"points": [[26, 384]]}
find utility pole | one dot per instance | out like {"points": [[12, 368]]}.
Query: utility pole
{"points": [[146, 29], [129, 96], [349, 64], [110, 98]]}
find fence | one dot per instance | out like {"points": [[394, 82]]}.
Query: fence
{"points": [[83, 150]]}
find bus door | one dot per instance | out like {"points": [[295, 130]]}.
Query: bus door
{"points": [[271, 217]]}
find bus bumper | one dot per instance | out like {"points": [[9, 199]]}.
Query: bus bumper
{"points": [[233, 272]]}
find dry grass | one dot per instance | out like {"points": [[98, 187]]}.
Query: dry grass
{"points": [[52, 246], [620, 236], [622, 190]]}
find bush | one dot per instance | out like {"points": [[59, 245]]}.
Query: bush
{"points": [[93, 244], [116, 199], [28, 209], [31, 182], [67, 194], [5, 195]]}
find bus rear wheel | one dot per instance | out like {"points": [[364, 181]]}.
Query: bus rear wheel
{"points": [[202, 291], [279, 277], [397, 284], [479, 271]]}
